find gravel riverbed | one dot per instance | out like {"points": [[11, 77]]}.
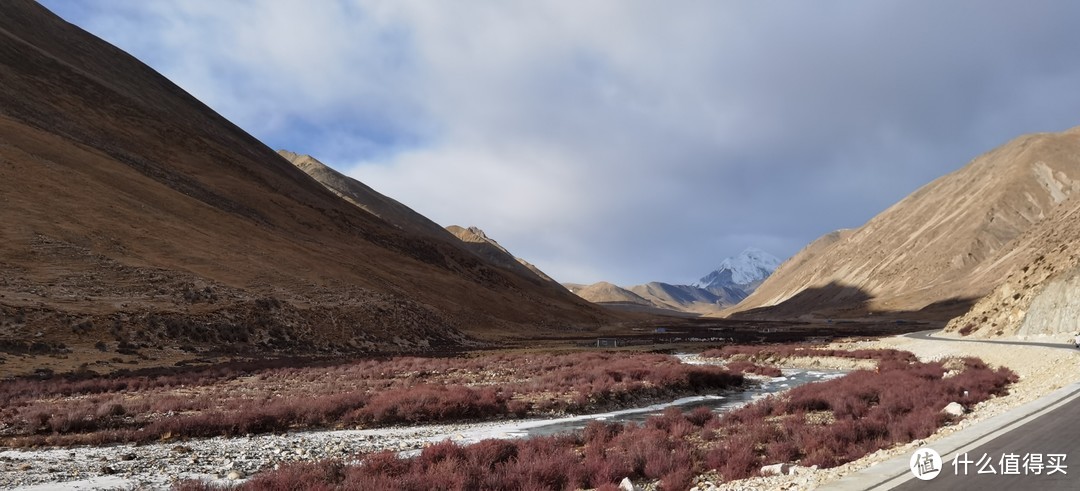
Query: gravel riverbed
{"points": [[218, 459]]}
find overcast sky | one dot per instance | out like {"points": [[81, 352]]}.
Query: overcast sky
{"points": [[627, 141]]}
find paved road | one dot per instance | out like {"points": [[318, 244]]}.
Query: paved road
{"points": [[1044, 427], [927, 335], [1054, 432]]}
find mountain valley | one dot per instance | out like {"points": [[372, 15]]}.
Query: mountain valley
{"points": [[727, 285]]}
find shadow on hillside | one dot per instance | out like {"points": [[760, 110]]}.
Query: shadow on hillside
{"points": [[838, 301], [833, 298], [647, 309]]}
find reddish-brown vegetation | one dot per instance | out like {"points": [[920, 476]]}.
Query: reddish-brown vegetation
{"points": [[826, 424], [366, 393], [743, 366], [788, 351]]}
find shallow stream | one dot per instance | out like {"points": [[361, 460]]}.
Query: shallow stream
{"points": [[719, 403]]}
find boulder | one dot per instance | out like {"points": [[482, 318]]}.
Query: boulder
{"points": [[775, 469], [627, 485], [954, 409]]}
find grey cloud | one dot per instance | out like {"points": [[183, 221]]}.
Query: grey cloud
{"points": [[627, 141]]}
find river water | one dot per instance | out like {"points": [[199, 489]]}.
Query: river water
{"points": [[718, 402]]}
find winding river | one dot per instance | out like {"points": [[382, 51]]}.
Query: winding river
{"points": [[719, 403]]}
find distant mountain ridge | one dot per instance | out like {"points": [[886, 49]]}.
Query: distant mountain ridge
{"points": [[727, 285]]}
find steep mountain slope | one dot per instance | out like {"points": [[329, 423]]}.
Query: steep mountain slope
{"points": [[136, 216], [1040, 295], [951, 239], [361, 195], [393, 212], [480, 244]]}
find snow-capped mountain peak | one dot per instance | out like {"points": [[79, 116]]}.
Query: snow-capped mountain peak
{"points": [[749, 268]]}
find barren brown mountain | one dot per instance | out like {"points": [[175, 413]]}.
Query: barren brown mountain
{"points": [[943, 246], [136, 219], [393, 212], [684, 298], [1040, 296], [362, 195], [604, 292], [480, 244]]}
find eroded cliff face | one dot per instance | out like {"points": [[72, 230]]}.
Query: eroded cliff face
{"points": [[1055, 310], [1040, 296]]}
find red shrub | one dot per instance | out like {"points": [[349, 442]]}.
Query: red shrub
{"points": [[735, 459], [606, 467], [433, 403], [855, 415], [300, 476], [679, 479], [488, 454], [256, 398]]}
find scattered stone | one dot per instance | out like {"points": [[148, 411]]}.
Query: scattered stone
{"points": [[25, 467], [129, 457], [182, 449], [798, 470], [627, 485], [234, 475], [108, 471], [954, 409]]}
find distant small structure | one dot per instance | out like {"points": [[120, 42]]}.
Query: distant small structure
{"points": [[607, 343]]}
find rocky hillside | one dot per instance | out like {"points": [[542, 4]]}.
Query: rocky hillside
{"points": [[140, 227], [1040, 296], [946, 244]]}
